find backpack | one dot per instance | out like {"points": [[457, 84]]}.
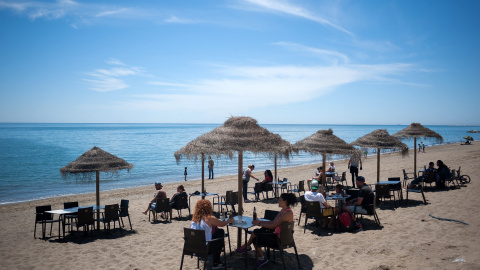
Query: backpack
{"points": [[346, 223]]}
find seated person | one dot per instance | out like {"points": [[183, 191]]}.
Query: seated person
{"points": [[318, 176], [339, 191], [443, 174], [173, 200], [362, 204], [203, 219], [331, 168], [314, 196], [159, 194], [426, 174], [266, 182], [285, 202]]}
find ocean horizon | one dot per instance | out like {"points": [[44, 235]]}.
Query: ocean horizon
{"points": [[33, 153]]}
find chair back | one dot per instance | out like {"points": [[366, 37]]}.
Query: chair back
{"points": [[234, 198], [270, 214], [303, 207], [182, 202], [195, 242], [111, 212], [353, 192], [124, 207], [258, 187], [301, 186], [40, 213], [382, 191], [313, 209], [162, 205], [458, 172], [397, 186], [85, 216], [228, 197], [286, 233], [394, 179], [67, 205], [405, 176]]}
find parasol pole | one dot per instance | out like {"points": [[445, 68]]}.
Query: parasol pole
{"points": [[415, 156], [378, 164], [203, 176], [240, 199], [97, 174], [275, 176], [324, 176]]}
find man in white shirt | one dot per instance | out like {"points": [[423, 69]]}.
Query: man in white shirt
{"points": [[314, 196]]}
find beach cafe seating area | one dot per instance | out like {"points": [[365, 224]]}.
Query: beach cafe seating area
{"points": [[84, 221]]}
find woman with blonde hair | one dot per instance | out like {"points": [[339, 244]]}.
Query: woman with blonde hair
{"points": [[203, 219]]}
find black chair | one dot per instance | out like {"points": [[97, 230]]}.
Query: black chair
{"points": [[272, 241], [371, 211], [297, 188], [223, 201], [196, 245], [85, 220], [161, 205], [396, 188], [123, 212], [407, 177], [43, 219], [111, 215], [284, 187], [303, 207], [69, 219], [312, 210], [382, 192], [180, 203], [257, 190]]}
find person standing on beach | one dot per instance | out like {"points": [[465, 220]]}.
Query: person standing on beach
{"points": [[354, 163], [159, 194], [210, 167], [423, 147], [247, 173]]}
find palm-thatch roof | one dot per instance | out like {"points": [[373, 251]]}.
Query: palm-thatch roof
{"points": [[236, 134], [381, 139], [416, 130], [324, 142], [94, 160]]}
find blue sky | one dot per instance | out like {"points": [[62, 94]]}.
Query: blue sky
{"points": [[278, 61]]}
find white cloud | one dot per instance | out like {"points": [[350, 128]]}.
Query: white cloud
{"points": [[332, 56], [104, 80], [174, 19], [111, 12], [284, 6]]}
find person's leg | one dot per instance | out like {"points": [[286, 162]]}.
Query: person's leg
{"points": [[212, 173], [244, 191]]}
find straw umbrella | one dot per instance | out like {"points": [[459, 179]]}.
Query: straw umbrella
{"points": [[414, 131], [236, 135], [95, 160], [323, 142], [380, 139]]}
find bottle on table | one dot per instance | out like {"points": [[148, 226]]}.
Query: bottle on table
{"points": [[254, 213]]}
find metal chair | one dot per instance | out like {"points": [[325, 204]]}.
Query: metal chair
{"points": [[407, 177], [43, 219], [180, 203], [312, 210], [297, 188], [418, 188], [111, 215], [85, 220], [69, 219], [196, 245], [371, 211], [396, 188], [382, 192], [272, 241], [123, 212]]}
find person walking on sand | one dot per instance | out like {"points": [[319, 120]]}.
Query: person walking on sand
{"points": [[354, 163], [247, 173], [159, 194], [423, 147], [210, 167]]}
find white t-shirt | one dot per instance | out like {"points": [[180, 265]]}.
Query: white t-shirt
{"points": [[314, 196], [203, 226]]}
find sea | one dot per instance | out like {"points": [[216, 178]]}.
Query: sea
{"points": [[31, 154]]}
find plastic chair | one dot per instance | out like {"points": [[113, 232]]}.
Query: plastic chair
{"points": [[123, 212], [407, 177], [180, 203], [383, 192], [43, 219], [297, 188], [69, 218], [85, 220], [272, 241], [111, 215], [196, 245], [371, 211], [312, 210], [162, 205]]}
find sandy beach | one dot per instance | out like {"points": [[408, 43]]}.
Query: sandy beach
{"points": [[407, 239]]}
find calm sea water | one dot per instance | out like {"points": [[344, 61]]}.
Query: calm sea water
{"points": [[32, 154]]}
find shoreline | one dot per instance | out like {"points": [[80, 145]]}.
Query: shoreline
{"points": [[221, 176]]}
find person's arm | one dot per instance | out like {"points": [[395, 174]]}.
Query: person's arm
{"points": [[359, 201], [286, 217], [251, 175], [215, 221], [360, 162]]}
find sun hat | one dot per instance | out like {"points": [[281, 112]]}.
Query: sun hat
{"points": [[314, 184]]}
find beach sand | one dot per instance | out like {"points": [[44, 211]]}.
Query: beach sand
{"points": [[407, 239]]}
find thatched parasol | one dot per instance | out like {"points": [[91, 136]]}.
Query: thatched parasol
{"points": [[95, 160], [323, 142], [414, 131], [380, 139], [237, 134]]}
